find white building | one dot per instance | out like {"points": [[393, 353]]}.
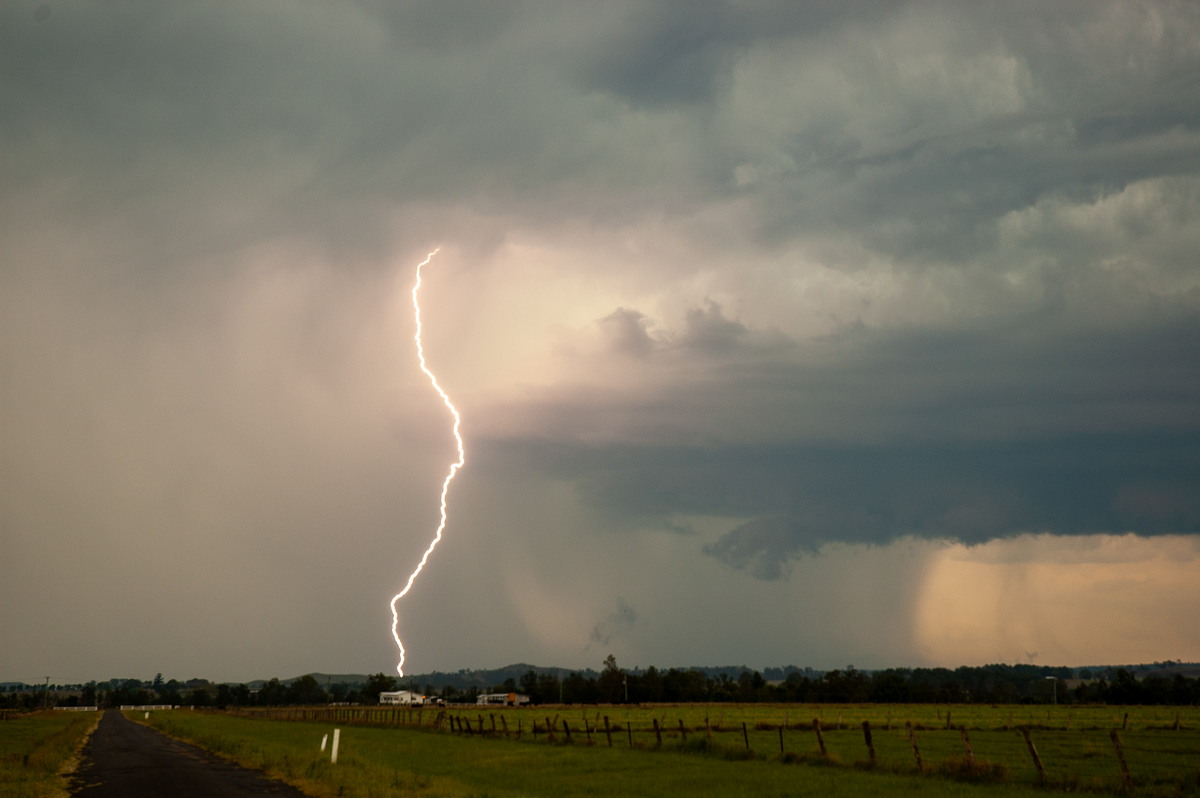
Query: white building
{"points": [[502, 699], [403, 697]]}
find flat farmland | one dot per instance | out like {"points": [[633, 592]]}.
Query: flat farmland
{"points": [[38, 749], [718, 749]]}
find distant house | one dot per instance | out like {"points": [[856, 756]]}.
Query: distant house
{"points": [[403, 697], [502, 699]]}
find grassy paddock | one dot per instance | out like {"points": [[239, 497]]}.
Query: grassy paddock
{"points": [[37, 751], [386, 751]]}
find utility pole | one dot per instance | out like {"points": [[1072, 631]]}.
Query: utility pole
{"points": [[46, 695]]}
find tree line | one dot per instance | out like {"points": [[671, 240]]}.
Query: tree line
{"points": [[992, 684]]}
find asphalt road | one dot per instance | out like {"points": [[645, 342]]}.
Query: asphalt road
{"points": [[124, 759]]}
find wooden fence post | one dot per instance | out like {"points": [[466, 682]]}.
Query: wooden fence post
{"points": [[1037, 760], [629, 731], [567, 730], [820, 737], [912, 740], [657, 733], [682, 732], [866, 724], [608, 731], [746, 735], [781, 751], [967, 745], [1126, 781], [549, 730]]}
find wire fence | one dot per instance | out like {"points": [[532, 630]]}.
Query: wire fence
{"points": [[1093, 748]]}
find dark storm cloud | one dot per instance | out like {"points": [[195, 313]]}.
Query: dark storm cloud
{"points": [[805, 497], [625, 332], [678, 52], [965, 436], [708, 328]]}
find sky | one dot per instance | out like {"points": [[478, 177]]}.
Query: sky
{"points": [[823, 333]]}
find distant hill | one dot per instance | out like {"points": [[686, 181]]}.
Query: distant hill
{"points": [[482, 678], [1167, 670], [323, 679]]}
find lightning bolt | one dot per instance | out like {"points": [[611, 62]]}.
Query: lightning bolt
{"points": [[453, 466]]}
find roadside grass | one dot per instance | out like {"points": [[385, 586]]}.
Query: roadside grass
{"points": [[411, 760], [38, 751]]}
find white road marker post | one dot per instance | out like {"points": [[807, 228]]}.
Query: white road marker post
{"points": [[337, 734], [324, 739]]}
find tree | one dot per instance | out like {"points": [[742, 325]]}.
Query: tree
{"points": [[610, 684], [650, 686], [750, 683], [529, 681], [1124, 689], [169, 694], [548, 689], [130, 691], [376, 684], [578, 689], [307, 691], [689, 685], [240, 694], [272, 694]]}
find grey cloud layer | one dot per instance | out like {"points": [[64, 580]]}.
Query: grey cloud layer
{"points": [[907, 130]]}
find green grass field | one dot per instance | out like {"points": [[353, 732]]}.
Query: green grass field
{"points": [[709, 756], [36, 750]]}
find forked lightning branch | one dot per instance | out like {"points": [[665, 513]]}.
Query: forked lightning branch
{"points": [[437, 537]]}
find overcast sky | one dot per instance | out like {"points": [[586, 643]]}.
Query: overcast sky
{"points": [[820, 333]]}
